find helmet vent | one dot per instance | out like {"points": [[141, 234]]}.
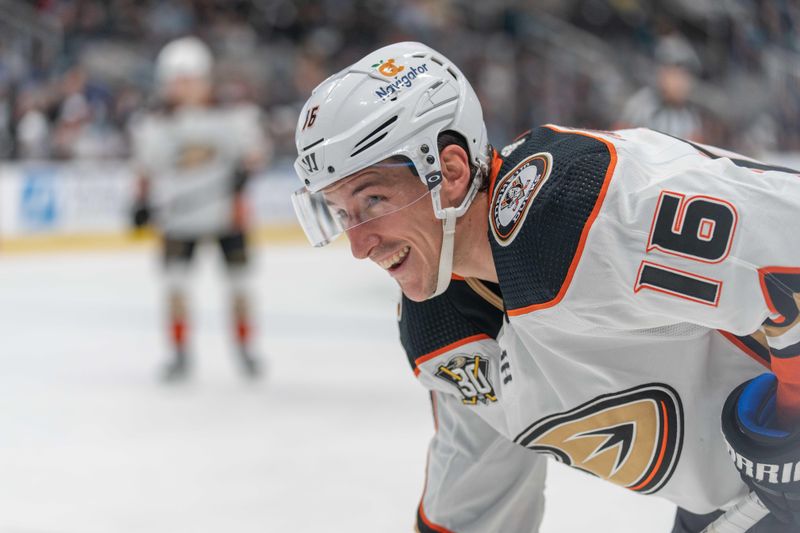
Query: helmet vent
{"points": [[377, 139], [418, 56], [370, 139], [452, 73], [312, 145], [437, 61]]}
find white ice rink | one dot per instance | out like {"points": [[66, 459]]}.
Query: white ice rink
{"points": [[334, 439]]}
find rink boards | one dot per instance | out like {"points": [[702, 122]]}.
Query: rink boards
{"points": [[87, 204]]}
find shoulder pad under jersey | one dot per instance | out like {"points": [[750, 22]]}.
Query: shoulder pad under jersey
{"points": [[542, 201]]}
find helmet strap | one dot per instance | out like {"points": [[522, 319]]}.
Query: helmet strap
{"points": [[446, 255], [449, 216]]}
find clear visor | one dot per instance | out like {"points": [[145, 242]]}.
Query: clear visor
{"points": [[327, 214]]}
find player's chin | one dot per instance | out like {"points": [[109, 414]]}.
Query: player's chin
{"points": [[417, 290]]}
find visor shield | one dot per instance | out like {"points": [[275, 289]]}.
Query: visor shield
{"points": [[316, 219], [326, 214]]}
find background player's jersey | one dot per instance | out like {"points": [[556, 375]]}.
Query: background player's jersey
{"points": [[190, 157]]}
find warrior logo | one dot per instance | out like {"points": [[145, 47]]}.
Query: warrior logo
{"points": [[632, 438], [514, 194], [470, 374], [310, 163]]}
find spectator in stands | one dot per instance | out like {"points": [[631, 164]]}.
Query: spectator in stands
{"points": [[82, 130], [280, 49]]}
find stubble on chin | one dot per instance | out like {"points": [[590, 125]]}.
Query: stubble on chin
{"points": [[418, 292]]}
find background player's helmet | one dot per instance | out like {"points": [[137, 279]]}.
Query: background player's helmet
{"points": [[393, 102], [185, 57]]}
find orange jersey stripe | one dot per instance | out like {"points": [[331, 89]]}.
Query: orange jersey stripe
{"points": [[762, 273], [662, 449], [427, 357], [743, 347], [497, 162], [787, 371], [431, 525]]}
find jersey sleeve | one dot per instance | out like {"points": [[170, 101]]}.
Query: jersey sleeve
{"points": [[250, 136], [142, 134], [477, 480]]}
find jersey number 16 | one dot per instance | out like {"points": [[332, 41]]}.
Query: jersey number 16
{"points": [[699, 228]]}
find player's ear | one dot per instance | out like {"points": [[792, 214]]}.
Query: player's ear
{"points": [[455, 174]]}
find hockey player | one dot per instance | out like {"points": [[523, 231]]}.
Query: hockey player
{"points": [[194, 159], [647, 282]]}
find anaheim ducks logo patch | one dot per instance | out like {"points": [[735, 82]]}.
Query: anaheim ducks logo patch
{"points": [[514, 194], [632, 438], [470, 373], [195, 155]]}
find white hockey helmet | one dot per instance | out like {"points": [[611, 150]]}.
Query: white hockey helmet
{"points": [[184, 57], [394, 102]]}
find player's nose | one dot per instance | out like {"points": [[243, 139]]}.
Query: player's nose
{"points": [[362, 241]]}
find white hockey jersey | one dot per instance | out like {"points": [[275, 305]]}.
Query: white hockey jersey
{"points": [[477, 479], [190, 157], [643, 278]]}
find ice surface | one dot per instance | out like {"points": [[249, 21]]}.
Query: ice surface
{"points": [[333, 440]]}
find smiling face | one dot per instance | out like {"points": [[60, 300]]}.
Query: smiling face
{"points": [[389, 219]]}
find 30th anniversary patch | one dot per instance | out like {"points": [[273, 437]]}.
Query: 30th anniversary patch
{"points": [[470, 374], [514, 194]]}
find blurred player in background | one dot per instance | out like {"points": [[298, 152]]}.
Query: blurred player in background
{"points": [[666, 107], [194, 159]]}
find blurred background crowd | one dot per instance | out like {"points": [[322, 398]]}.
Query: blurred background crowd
{"points": [[75, 73]]}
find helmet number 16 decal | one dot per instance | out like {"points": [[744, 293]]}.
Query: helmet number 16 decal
{"points": [[699, 228], [311, 117]]}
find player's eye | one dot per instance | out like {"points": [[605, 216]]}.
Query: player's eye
{"points": [[374, 200]]}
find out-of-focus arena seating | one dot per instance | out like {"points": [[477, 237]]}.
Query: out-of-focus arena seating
{"points": [[74, 72]]}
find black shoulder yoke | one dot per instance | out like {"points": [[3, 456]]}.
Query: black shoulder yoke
{"points": [[457, 314], [534, 265]]}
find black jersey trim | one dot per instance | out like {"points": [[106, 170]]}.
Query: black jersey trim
{"points": [[750, 346], [424, 524], [739, 162], [587, 226], [444, 349], [453, 319], [537, 269]]}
